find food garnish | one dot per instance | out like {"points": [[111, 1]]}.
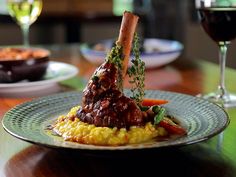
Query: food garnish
{"points": [[106, 115], [172, 127], [137, 73], [152, 102]]}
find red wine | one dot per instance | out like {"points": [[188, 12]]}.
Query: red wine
{"points": [[219, 23]]}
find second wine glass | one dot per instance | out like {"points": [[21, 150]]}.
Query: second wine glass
{"points": [[218, 19], [25, 12]]}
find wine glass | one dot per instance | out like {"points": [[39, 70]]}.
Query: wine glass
{"points": [[25, 12], [218, 19]]}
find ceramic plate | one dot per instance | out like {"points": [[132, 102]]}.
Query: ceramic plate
{"points": [[156, 52], [56, 72], [29, 120]]}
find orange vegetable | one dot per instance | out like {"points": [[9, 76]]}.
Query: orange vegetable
{"points": [[172, 127], [152, 102]]}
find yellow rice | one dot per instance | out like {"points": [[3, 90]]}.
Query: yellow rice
{"points": [[81, 132]]}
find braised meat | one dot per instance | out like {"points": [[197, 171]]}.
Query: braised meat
{"points": [[105, 105]]}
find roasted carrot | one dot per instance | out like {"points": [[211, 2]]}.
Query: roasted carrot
{"points": [[152, 102], [172, 127], [126, 34]]}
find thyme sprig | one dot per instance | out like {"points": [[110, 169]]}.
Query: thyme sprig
{"points": [[116, 57], [137, 73]]}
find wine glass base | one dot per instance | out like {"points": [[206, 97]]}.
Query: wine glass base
{"points": [[226, 101]]}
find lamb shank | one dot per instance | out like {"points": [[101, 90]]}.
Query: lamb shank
{"points": [[104, 103]]}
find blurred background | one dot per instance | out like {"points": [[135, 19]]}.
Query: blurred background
{"points": [[74, 21]]}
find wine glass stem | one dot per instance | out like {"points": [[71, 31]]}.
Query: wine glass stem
{"points": [[25, 31], [222, 60]]}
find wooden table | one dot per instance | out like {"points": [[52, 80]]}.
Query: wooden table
{"points": [[215, 157]]}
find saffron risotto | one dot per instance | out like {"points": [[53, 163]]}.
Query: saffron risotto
{"points": [[78, 131]]}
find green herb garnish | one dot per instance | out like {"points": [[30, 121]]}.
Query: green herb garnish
{"points": [[137, 73], [95, 78], [115, 56], [160, 114]]}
